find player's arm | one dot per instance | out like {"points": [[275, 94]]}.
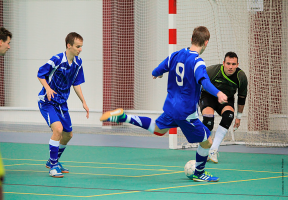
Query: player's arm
{"points": [[163, 67], [78, 91], [49, 92], [77, 88], [242, 93], [44, 72], [240, 108]]}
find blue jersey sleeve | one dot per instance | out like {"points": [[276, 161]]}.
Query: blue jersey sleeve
{"points": [[45, 70], [79, 79], [203, 78], [164, 66], [209, 87]]}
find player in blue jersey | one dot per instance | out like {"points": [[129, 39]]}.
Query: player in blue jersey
{"points": [[5, 38], [187, 73], [57, 76]]}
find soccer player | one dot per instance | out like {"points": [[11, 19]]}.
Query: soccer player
{"points": [[57, 76], [187, 73], [5, 38], [228, 78]]}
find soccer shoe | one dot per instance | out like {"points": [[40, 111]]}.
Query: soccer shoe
{"points": [[56, 172], [213, 155], [205, 177], [63, 170], [113, 115]]}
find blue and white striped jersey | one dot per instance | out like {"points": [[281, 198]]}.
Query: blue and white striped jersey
{"points": [[187, 72], [60, 76]]}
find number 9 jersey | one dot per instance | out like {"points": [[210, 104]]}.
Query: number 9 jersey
{"points": [[187, 72]]}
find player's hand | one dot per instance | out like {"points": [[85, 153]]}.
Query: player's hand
{"points": [[222, 98], [237, 124], [50, 93], [86, 108], [154, 77]]}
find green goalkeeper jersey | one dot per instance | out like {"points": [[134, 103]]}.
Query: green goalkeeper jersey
{"points": [[228, 84]]}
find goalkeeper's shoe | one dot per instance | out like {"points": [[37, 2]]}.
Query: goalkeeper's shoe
{"points": [[117, 116], [63, 170], [205, 177], [213, 155], [55, 172]]}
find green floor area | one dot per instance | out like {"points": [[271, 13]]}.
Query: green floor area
{"points": [[138, 173]]}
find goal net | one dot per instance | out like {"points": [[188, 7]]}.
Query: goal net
{"points": [[124, 40], [257, 32]]}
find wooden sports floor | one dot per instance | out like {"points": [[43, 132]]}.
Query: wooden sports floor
{"points": [[139, 173]]}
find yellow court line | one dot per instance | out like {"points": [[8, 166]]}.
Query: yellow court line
{"points": [[144, 165], [96, 167], [96, 163], [183, 186], [15, 164], [37, 194], [248, 170], [22, 170], [206, 183]]}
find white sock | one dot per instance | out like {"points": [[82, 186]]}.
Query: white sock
{"points": [[219, 136]]}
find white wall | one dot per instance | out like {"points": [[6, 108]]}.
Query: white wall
{"points": [[39, 31]]}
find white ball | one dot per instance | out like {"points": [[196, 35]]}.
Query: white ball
{"points": [[189, 168]]}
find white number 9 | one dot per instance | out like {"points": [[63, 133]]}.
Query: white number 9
{"points": [[181, 74]]}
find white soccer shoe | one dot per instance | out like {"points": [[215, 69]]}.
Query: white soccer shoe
{"points": [[213, 155], [56, 172]]}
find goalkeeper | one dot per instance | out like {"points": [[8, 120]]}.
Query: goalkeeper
{"points": [[227, 78]]}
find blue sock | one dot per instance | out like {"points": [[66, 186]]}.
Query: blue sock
{"points": [[143, 122], [61, 150], [54, 148], [201, 159]]}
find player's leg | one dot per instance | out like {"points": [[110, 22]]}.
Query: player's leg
{"points": [[227, 114], [50, 115], [207, 107], [66, 136], [1, 187], [208, 117], [195, 131], [2, 172], [147, 123]]}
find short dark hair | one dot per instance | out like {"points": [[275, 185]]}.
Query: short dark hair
{"points": [[200, 35], [4, 34], [71, 37], [231, 54]]}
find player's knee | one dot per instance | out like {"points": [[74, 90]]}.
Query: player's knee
{"points": [[207, 143], [68, 136], [57, 130], [208, 121], [227, 119]]}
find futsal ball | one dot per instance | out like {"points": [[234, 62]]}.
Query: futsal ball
{"points": [[189, 168]]}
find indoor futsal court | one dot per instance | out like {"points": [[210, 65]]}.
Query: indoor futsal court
{"points": [[123, 41], [125, 171]]}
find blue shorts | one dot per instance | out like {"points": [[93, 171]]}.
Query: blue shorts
{"points": [[194, 131], [52, 114]]}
